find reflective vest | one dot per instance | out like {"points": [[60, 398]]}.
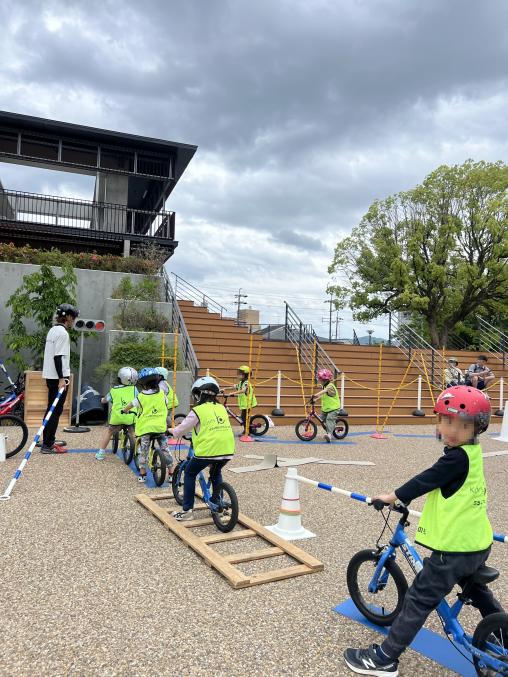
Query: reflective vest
{"points": [[171, 395], [330, 403], [120, 398], [215, 436], [458, 523], [246, 399], [152, 414]]}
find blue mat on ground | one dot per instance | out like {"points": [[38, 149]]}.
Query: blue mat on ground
{"points": [[336, 442], [413, 435], [428, 643], [363, 432]]}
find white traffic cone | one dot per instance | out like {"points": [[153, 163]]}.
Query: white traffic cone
{"points": [[289, 525], [2, 447], [503, 437]]}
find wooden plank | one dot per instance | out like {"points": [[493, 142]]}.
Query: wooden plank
{"points": [[231, 536], [251, 556], [289, 548], [236, 578], [197, 523], [280, 574]]}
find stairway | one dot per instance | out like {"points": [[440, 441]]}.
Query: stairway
{"points": [[221, 346]]}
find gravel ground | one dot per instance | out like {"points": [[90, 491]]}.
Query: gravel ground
{"points": [[92, 584]]}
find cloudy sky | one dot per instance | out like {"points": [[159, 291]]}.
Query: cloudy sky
{"points": [[304, 111]]}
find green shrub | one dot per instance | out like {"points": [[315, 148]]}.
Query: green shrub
{"points": [[147, 289], [138, 352], [134, 317]]}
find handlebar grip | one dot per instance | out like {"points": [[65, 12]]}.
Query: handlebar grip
{"points": [[379, 505]]}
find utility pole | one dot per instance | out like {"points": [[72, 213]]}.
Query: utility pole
{"points": [[330, 318], [337, 320], [239, 303]]}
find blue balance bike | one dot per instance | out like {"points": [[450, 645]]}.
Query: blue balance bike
{"points": [[377, 587], [224, 512]]}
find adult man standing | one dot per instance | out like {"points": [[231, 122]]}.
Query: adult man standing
{"points": [[56, 370]]}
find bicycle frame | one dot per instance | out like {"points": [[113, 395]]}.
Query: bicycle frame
{"points": [[448, 615], [313, 414], [231, 412], [203, 482]]}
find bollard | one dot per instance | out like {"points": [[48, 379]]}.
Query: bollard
{"points": [[278, 411], [500, 411], [419, 411], [342, 410], [503, 437], [2, 447]]}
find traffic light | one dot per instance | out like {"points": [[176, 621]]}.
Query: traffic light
{"points": [[90, 325]]}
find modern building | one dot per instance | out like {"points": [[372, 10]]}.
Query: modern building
{"points": [[134, 176]]}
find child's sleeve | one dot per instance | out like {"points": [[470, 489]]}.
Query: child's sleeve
{"points": [[135, 403], [451, 467]]}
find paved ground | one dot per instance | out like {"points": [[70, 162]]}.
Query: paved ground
{"points": [[92, 584]]}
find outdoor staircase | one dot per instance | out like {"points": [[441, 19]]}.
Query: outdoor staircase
{"points": [[221, 346]]}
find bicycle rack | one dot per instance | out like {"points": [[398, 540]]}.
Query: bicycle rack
{"points": [[224, 564]]}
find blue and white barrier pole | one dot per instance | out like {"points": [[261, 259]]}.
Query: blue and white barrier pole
{"points": [[7, 494], [366, 499], [2, 367]]}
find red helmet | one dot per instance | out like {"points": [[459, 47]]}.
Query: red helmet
{"points": [[324, 375], [465, 401]]}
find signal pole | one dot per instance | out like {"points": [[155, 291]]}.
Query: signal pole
{"points": [[239, 303]]}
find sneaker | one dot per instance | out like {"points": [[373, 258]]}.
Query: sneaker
{"points": [[367, 662], [55, 449], [100, 455], [142, 479], [183, 515], [328, 438]]}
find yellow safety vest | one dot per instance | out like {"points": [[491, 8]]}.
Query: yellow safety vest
{"points": [[328, 402], [246, 400], [152, 414], [215, 436], [120, 398]]}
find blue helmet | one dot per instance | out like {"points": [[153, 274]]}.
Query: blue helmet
{"points": [[146, 375], [162, 371]]}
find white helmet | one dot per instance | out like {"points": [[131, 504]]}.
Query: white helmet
{"points": [[128, 376], [206, 385], [162, 371]]}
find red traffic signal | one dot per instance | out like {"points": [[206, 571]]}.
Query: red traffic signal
{"points": [[89, 325]]}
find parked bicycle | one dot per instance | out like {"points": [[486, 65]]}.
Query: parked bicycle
{"points": [[225, 512], [258, 424], [13, 401], [12, 409], [306, 429], [156, 462], [377, 587]]}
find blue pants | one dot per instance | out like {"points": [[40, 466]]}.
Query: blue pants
{"points": [[195, 466]]}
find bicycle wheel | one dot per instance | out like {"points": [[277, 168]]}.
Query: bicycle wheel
{"points": [[306, 430], [383, 605], [226, 516], [178, 419], [158, 468], [258, 425], [127, 446], [16, 433], [114, 442], [177, 483], [341, 429], [491, 636]]}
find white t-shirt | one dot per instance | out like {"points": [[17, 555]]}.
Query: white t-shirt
{"points": [[57, 343]]}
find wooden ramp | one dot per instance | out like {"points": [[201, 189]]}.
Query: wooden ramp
{"points": [[225, 564]]}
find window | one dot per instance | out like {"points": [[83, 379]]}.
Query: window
{"points": [[36, 147], [80, 154]]}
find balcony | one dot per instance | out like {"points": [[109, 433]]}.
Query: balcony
{"points": [[44, 221]]}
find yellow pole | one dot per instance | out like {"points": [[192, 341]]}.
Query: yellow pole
{"points": [[301, 381], [397, 392], [247, 418], [442, 370], [313, 375], [175, 360]]}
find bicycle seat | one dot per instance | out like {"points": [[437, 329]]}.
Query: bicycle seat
{"points": [[484, 575]]}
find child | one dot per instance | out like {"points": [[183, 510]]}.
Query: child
{"points": [[168, 390], [330, 401], [212, 440], [454, 526], [151, 419], [119, 396], [245, 393]]}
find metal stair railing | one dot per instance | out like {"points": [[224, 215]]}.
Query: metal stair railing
{"points": [[492, 340], [177, 321], [186, 291], [303, 337], [408, 341]]}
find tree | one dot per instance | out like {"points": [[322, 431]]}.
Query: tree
{"points": [[37, 299], [439, 250]]}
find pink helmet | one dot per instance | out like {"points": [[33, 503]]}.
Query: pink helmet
{"points": [[324, 375], [467, 402]]}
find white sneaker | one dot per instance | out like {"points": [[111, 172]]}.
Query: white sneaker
{"points": [[183, 515], [328, 438], [142, 479]]}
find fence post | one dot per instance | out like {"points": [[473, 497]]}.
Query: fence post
{"points": [[278, 411], [500, 411], [419, 411], [342, 410]]}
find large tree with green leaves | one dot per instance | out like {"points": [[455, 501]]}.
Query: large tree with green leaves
{"points": [[439, 250]]}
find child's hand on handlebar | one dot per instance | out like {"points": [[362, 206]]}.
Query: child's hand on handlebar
{"points": [[387, 499], [171, 431]]}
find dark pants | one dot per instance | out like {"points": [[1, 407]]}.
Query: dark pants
{"points": [[243, 414], [195, 466], [439, 575], [48, 435]]}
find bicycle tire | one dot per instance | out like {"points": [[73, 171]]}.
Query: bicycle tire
{"points": [[395, 572], [114, 443], [227, 518], [306, 430], [135, 455], [177, 483], [158, 467], [258, 425], [18, 439], [492, 629], [178, 419], [127, 446], [341, 429]]}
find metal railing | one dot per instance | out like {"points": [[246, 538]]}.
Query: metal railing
{"points": [[99, 219], [177, 321], [186, 291], [428, 360], [492, 340], [306, 341]]}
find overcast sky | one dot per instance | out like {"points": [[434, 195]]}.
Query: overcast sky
{"points": [[304, 111]]}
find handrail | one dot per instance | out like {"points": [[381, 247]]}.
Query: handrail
{"points": [[190, 358], [408, 340], [492, 340], [189, 292]]}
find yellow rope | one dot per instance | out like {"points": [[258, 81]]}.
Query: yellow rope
{"points": [[360, 385], [397, 393], [301, 381]]}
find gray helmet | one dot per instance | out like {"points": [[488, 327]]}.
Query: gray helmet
{"points": [[205, 385], [65, 309]]}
